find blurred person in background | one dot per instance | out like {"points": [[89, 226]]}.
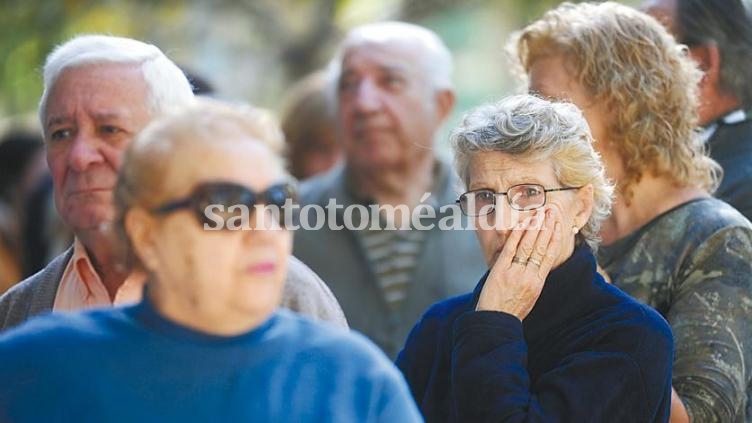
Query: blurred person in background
{"points": [[207, 342], [310, 125], [99, 92], [30, 228], [719, 36], [44, 235], [667, 242], [393, 90], [21, 151]]}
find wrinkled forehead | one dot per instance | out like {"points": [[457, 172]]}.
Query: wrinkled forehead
{"points": [[118, 73], [242, 160], [406, 55], [102, 90], [505, 169]]}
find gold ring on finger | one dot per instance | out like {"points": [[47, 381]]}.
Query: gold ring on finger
{"points": [[534, 261], [518, 260]]}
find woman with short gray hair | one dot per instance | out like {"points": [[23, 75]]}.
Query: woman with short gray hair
{"points": [[543, 334]]}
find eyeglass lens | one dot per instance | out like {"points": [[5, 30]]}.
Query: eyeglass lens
{"points": [[519, 197], [228, 195]]}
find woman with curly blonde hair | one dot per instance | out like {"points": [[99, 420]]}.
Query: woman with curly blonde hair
{"points": [[667, 242]]}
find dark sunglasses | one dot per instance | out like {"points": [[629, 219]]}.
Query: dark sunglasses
{"points": [[220, 197]]}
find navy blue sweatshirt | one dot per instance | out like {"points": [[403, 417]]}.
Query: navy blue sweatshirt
{"points": [[587, 352]]}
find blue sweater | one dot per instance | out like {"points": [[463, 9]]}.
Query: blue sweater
{"points": [[132, 365], [587, 352]]}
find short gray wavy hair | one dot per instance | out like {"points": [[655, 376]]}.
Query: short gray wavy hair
{"points": [[533, 129]]}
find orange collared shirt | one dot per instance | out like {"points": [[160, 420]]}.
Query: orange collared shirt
{"points": [[81, 287]]}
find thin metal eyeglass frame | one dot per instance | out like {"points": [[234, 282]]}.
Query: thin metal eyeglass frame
{"points": [[509, 199]]}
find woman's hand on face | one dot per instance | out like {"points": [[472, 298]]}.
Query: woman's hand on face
{"points": [[517, 277]]}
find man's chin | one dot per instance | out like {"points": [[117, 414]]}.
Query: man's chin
{"points": [[378, 161], [91, 223]]}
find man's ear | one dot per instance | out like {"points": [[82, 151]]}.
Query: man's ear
{"points": [[445, 100], [708, 58]]}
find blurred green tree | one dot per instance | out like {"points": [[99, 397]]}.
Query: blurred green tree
{"points": [[286, 39]]}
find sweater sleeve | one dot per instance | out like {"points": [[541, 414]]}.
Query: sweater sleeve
{"points": [[491, 383], [710, 317]]}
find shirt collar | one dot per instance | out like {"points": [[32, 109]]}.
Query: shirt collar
{"points": [[81, 286], [731, 118]]}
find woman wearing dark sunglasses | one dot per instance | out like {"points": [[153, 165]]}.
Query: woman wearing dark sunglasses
{"points": [[207, 342], [543, 337]]}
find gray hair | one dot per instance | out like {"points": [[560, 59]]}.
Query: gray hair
{"points": [[436, 61], [533, 129], [167, 84]]}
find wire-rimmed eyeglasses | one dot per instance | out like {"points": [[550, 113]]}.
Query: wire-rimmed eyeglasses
{"points": [[481, 202]]}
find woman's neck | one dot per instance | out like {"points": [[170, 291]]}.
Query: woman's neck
{"points": [[651, 197], [193, 313]]}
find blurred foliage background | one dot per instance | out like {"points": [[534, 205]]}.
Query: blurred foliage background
{"points": [[252, 50]]}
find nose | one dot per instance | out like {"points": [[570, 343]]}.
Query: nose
{"points": [[367, 97], [84, 152], [504, 218], [266, 218]]}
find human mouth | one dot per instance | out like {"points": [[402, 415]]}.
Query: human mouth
{"points": [[88, 191], [371, 126], [371, 132], [264, 267]]}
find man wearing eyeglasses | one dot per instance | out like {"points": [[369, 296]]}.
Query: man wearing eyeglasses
{"points": [[99, 92], [393, 90], [719, 36]]}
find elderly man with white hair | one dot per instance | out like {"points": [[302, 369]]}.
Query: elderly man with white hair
{"points": [[99, 92], [393, 89]]}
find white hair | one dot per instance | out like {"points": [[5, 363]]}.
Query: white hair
{"points": [[436, 59], [167, 85]]}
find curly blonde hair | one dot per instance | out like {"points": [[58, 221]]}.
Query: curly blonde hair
{"points": [[532, 129], [630, 65]]}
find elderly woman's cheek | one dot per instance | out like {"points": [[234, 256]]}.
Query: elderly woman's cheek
{"points": [[490, 242]]}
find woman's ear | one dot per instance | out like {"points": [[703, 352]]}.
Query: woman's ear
{"points": [[583, 205], [139, 225]]}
